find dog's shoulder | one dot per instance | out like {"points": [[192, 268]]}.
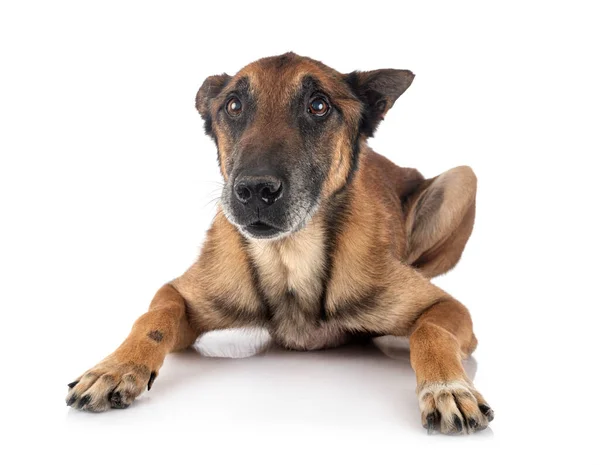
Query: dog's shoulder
{"points": [[222, 280], [382, 172]]}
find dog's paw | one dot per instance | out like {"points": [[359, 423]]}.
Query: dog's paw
{"points": [[110, 384], [453, 408]]}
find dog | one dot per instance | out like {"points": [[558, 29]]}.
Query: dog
{"points": [[317, 238]]}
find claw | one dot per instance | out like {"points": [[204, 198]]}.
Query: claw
{"points": [[151, 380], [84, 401], [71, 400], [431, 419], [457, 423], [73, 384], [473, 423], [116, 401], [487, 411]]}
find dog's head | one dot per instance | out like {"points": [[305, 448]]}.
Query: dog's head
{"points": [[288, 132]]}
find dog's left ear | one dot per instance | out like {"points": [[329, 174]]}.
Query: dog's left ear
{"points": [[211, 87], [378, 90]]}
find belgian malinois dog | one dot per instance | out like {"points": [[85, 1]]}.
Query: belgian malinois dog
{"points": [[317, 238]]}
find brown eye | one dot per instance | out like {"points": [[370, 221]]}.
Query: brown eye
{"points": [[234, 107], [318, 107]]}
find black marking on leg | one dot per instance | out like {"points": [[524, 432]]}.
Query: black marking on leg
{"points": [[457, 423], [84, 401], [73, 384], [155, 335], [151, 380], [72, 400]]}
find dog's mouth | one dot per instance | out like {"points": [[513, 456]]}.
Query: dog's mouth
{"points": [[261, 230]]}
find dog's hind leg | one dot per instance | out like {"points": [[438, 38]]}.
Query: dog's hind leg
{"points": [[122, 376], [439, 221]]}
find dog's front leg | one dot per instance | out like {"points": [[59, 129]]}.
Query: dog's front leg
{"points": [[440, 334], [440, 338], [122, 376]]}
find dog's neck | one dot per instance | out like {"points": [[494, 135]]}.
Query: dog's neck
{"points": [[300, 265], [294, 264]]}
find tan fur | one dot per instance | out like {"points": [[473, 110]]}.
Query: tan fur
{"points": [[293, 264], [364, 273], [135, 364], [450, 229]]}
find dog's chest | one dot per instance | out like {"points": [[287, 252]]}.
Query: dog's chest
{"points": [[291, 266], [291, 272]]}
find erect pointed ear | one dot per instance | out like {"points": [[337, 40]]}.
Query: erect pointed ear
{"points": [[211, 87], [378, 90]]}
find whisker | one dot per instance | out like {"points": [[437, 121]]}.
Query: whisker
{"points": [[215, 200]]}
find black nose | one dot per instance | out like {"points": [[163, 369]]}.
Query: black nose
{"points": [[262, 190]]}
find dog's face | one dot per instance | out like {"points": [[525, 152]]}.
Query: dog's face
{"points": [[288, 132]]}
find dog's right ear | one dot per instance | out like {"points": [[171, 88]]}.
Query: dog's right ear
{"points": [[211, 87]]}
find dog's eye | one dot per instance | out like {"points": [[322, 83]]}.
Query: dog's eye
{"points": [[318, 107], [234, 107]]}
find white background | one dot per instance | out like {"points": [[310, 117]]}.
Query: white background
{"points": [[107, 185]]}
